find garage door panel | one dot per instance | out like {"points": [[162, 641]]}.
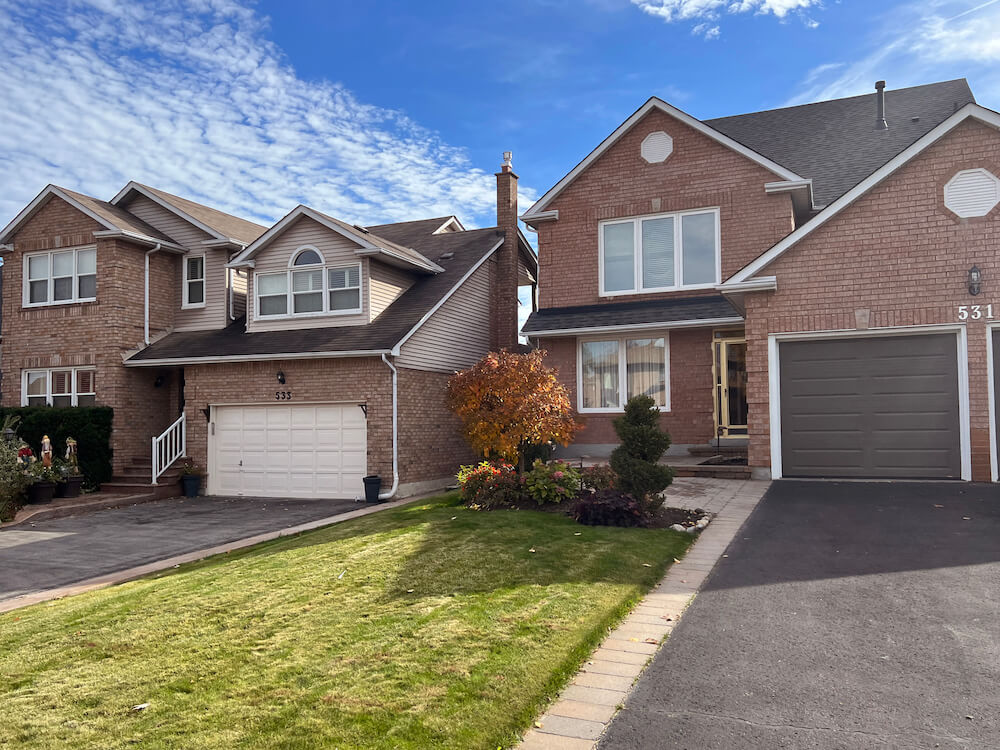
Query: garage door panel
{"points": [[290, 451], [870, 407]]}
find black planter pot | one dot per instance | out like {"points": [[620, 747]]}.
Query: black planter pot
{"points": [[69, 487], [41, 492], [191, 484]]}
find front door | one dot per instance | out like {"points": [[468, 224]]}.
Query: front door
{"points": [[731, 386]]}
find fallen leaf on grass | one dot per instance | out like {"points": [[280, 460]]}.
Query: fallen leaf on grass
{"points": [[577, 533], [342, 574], [646, 565], [532, 550], [140, 707], [409, 591]]}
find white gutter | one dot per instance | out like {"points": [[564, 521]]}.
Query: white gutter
{"points": [[250, 358], [762, 284], [698, 323], [140, 238], [145, 297], [395, 442]]}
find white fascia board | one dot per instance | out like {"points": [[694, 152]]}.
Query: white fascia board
{"points": [[700, 323], [785, 186], [445, 298], [541, 216], [28, 211], [429, 266], [986, 116], [136, 187], [141, 239], [227, 242], [761, 284], [684, 117], [253, 358]]}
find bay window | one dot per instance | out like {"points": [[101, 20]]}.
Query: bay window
{"points": [[309, 287], [59, 277], [71, 386], [659, 253], [614, 369]]}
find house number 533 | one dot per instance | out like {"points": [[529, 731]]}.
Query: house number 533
{"points": [[975, 312], [282, 395]]}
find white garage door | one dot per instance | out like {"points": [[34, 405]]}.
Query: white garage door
{"points": [[309, 450]]}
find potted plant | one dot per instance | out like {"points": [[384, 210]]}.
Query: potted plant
{"points": [[191, 479], [43, 483], [70, 479]]}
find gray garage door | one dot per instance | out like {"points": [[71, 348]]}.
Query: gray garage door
{"points": [[877, 407]]}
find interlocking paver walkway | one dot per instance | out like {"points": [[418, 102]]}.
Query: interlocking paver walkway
{"points": [[585, 707]]}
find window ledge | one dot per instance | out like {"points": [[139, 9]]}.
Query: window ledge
{"points": [[37, 305]]}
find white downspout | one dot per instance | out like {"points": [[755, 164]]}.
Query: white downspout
{"points": [[395, 443], [145, 306]]}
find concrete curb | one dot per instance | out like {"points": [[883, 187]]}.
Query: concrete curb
{"points": [[585, 708], [129, 574]]}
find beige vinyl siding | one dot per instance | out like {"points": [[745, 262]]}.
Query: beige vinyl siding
{"points": [[179, 230], [387, 283], [458, 334], [335, 249], [215, 313], [238, 280]]}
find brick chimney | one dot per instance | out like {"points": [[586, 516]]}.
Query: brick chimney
{"points": [[503, 299]]}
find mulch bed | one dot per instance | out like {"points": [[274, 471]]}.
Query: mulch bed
{"points": [[665, 517]]}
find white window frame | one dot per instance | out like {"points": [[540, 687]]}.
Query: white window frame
{"points": [[290, 306], [622, 340], [185, 304], [74, 393], [636, 221], [49, 302]]}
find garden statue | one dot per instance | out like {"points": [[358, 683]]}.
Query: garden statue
{"points": [[46, 451], [71, 451], [25, 454]]}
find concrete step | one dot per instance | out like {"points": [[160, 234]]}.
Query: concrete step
{"points": [[712, 472], [721, 450], [160, 490], [132, 475]]}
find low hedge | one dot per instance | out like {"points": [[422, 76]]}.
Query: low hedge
{"points": [[89, 425]]}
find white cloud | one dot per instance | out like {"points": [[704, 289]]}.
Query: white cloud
{"points": [[190, 96], [706, 31], [686, 10], [919, 43]]}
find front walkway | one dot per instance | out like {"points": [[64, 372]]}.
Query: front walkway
{"points": [[586, 706]]}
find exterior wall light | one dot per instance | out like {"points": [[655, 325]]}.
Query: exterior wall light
{"points": [[281, 375], [975, 281]]}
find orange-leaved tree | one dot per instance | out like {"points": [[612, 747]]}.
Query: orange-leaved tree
{"points": [[509, 401]]}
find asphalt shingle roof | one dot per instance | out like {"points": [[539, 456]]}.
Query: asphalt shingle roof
{"points": [[381, 334], [117, 217], [225, 224], [630, 313], [836, 143], [404, 231]]}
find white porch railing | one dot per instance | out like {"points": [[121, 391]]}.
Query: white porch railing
{"points": [[169, 446]]}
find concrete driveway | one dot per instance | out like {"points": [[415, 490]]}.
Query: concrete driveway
{"points": [[846, 615], [68, 550]]}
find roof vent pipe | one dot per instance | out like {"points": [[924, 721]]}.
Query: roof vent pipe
{"points": [[880, 123]]}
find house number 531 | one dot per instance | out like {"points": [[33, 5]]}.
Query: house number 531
{"points": [[975, 312]]}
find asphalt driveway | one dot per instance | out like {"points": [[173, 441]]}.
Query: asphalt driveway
{"points": [[62, 551], [846, 615]]}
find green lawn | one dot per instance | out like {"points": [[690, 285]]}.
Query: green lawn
{"points": [[429, 625]]}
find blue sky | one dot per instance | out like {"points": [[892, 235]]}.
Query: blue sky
{"points": [[382, 111]]}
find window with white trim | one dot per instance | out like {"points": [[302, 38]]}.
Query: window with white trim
{"points": [[194, 281], [613, 369], [309, 288], [659, 253], [60, 277], [72, 386]]}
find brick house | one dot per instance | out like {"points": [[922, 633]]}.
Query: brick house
{"points": [[287, 361], [818, 282]]}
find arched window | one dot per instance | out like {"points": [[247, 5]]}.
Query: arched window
{"points": [[307, 256]]}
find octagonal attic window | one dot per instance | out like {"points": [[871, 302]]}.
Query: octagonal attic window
{"points": [[656, 147], [972, 192]]}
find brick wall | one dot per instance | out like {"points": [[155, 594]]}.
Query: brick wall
{"points": [[700, 173], [691, 417], [90, 333], [901, 258], [430, 440]]}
